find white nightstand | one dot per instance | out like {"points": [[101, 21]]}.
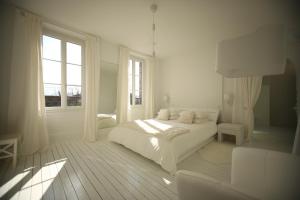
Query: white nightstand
{"points": [[231, 129], [8, 147]]}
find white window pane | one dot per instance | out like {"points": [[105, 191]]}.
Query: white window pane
{"points": [[51, 48], [51, 72], [73, 74], [130, 84], [52, 90], [137, 82], [137, 68], [73, 96], [130, 68], [137, 93], [130, 81], [73, 53]]}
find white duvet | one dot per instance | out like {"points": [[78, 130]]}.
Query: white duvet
{"points": [[165, 152]]}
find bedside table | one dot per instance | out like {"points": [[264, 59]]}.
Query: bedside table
{"points": [[231, 129]]}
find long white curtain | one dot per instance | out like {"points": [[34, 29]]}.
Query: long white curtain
{"points": [[92, 76], [296, 146], [149, 87], [26, 101], [246, 94], [122, 90]]}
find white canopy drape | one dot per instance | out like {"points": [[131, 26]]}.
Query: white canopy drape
{"points": [[122, 90], [92, 76], [246, 94], [258, 53], [149, 93], [26, 101]]}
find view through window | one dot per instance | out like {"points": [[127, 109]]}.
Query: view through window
{"points": [[62, 72], [135, 81]]}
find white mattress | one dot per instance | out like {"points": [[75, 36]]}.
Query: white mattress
{"points": [[164, 152]]}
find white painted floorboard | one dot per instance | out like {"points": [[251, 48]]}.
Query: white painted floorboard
{"points": [[106, 171], [79, 170]]}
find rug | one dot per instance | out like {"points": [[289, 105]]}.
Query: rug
{"points": [[217, 153]]}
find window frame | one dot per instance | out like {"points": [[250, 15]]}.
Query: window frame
{"points": [[64, 39], [136, 58]]}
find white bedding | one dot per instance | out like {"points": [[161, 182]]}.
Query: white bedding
{"points": [[166, 153], [106, 120]]}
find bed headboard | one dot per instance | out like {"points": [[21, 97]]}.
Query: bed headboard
{"points": [[212, 113]]}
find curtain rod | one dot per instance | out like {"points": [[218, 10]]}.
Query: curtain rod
{"points": [[53, 22]]}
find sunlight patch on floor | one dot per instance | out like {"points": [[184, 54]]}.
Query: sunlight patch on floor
{"points": [[39, 182], [166, 181]]}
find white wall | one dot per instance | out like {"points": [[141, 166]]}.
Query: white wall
{"points": [[262, 107], [268, 12], [109, 52], [108, 88], [188, 75], [65, 124], [190, 80]]}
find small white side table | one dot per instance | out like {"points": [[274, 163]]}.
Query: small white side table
{"points": [[231, 129], [8, 147]]}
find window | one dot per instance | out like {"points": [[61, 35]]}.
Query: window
{"points": [[62, 71], [135, 81]]}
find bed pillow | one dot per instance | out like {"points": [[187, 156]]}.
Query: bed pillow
{"points": [[163, 114], [206, 115], [174, 114], [186, 117], [200, 117]]}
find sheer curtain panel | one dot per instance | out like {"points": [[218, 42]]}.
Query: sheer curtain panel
{"points": [[92, 77], [149, 94], [246, 94], [26, 100], [122, 90]]}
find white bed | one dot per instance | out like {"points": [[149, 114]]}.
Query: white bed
{"points": [[166, 153]]}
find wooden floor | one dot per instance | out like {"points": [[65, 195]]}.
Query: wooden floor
{"points": [[79, 170]]}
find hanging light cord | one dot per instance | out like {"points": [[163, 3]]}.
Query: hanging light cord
{"points": [[153, 9], [153, 29]]}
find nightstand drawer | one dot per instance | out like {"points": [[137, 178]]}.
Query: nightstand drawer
{"points": [[230, 127], [231, 131]]}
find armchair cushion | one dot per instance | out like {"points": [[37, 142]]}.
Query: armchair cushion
{"points": [[194, 186], [256, 174], [266, 174]]}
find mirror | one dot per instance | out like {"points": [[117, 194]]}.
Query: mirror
{"points": [[108, 88]]}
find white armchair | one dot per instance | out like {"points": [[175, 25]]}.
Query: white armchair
{"points": [[255, 174]]}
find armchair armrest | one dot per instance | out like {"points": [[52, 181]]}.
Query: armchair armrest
{"points": [[195, 186], [265, 174]]}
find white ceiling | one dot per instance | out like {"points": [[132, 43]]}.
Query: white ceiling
{"points": [[182, 25]]}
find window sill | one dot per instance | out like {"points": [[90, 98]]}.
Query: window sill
{"points": [[136, 106], [66, 109]]}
